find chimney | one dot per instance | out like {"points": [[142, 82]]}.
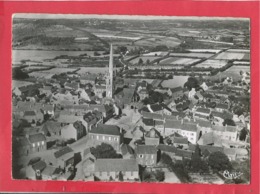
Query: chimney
{"points": [[149, 108]]}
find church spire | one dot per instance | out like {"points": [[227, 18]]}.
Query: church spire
{"points": [[109, 79]]}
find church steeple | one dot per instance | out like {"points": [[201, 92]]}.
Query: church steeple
{"points": [[109, 78]]}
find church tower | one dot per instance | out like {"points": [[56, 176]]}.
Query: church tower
{"points": [[109, 77]]}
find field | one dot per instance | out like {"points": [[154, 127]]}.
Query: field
{"points": [[205, 50], [212, 63], [179, 61], [145, 59], [16, 83], [40, 55], [156, 41], [156, 54], [196, 55], [228, 55], [51, 72], [175, 82], [94, 70]]}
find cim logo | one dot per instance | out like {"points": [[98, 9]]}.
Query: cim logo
{"points": [[231, 175]]}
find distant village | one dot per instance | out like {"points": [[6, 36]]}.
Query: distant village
{"points": [[96, 127]]}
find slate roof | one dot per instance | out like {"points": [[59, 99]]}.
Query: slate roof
{"points": [[106, 129], [51, 126], [36, 138], [29, 113], [183, 153], [180, 140], [148, 122], [153, 133], [145, 149], [203, 123], [151, 115], [166, 148], [174, 124], [39, 165], [189, 127], [126, 149], [116, 165], [177, 89], [222, 106], [203, 110], [62, 151]]}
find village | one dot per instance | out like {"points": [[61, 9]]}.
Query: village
{"points": [[115, 126]]}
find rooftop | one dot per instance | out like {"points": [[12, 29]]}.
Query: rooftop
{"points": [[62, 152], [146, 149], [116, 165], [106, 129], [36, 138]]}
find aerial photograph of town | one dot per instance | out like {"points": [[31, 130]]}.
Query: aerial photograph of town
{"points": [[131, 98]]}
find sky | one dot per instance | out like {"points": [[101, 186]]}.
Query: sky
{"points": [[122, 17]]}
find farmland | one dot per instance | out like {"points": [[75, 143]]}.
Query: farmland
{"points": [[144, 59], [179, 61], [192, 55], [212, 63], [230, 55]]}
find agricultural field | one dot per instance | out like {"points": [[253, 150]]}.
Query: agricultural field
{"points": [[195, 55], [53, 71], [161, 54], [205, 50], [241, 63], [156, 41], [212, 63], [228, 55], [18, 83], [179, 61], [144, 59], [93, 70], [233, 72]]}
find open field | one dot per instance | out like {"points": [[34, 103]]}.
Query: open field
{"points": [[94, 70], [212, 63], [51, 72], [18, 83], [179, 61], [233, 55], [144, 58], [205, 50], [40, 55], [156, 54], [195, 55], [175, 82], [156, 41]]}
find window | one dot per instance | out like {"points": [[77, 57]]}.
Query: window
{"points": [[38, 143], [109, 138], [42, 142], [97, 137], [33, 145], [152, 156], [192, 134], [141, 156], [103, 137]]}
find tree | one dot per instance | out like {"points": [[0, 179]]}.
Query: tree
{"points": [[243, 134], [166, 159], [120, 176], [229, 122], [140, 62], [105, 151], [191, 83], [19, 74], [219, 161]]}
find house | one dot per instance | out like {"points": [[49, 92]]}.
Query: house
{"points": [[152, 137], [167, 149], [190, 131], [226, 132], [143, 93], [116, 169], [16, 91], [76, 109], [231, 153], [146, 155], [202, 113], [107, 110], [176, 92], [50, 173], [34, 171], [93, 118], [51, 128], [33, 116], [126, 151], [138, 132], [141, 86], [88, 79], [159, 109], [47, 90], [102, 133], [99, 90], [180, 142], [220, 107], [204, 86], [71, 86], [125, 97], [204, 126], [74, 131], [63, 159], [37, 142], [172, 126]]}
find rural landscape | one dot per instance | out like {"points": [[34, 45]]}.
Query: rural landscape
{"points": [[131, 98]]}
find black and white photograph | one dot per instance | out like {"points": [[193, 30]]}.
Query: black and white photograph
{"points": [[127, 98]]}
